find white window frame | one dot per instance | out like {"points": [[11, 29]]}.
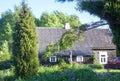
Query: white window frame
{"points": [[79, 58], [103, 57], [51, 59]]}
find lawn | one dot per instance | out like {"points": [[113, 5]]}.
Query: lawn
{"points": [[66, 72]]}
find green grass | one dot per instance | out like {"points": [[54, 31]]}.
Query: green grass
{"points": [[66, 72]]}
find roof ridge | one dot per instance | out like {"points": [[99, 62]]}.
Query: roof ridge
{"points": [[49, 27]]}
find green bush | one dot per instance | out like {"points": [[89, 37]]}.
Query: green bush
{"points": [[75, 72], [85, 74], [5, 64], [63, 64], [96, 66], [4, 51]]}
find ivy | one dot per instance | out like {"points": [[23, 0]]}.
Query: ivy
{"points": [[49, 51], [65, 43]]}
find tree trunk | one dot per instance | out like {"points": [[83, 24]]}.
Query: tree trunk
{"points": [[70, 56]]}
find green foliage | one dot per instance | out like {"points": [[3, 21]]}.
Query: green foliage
{"points": [[48, 20], [7, 17], [112, 15], [108, 10], [7, 33], [37, 22], [25, 44], [7, 23], [105, 9], [7, 75], [64, 43], [49, 51], [4, 51], [75, 72], [96, 66], [57, 19], [6, 64], [95, 59], [93, 7], [63, 64], [5, 56]]}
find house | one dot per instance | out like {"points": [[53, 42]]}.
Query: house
{"points": [[96, 43]]}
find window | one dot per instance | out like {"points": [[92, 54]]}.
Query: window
{"points": [[103, 58], [79, 58], [53, 59]]}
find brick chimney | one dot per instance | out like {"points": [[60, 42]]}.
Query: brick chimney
{"points": [[67, 26]]}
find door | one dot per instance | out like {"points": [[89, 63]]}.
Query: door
{"points": [[103, 57]]}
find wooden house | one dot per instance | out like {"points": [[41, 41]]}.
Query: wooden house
{"points": [[96, 43]]}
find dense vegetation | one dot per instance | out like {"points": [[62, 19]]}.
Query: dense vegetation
{"points": [[57, 19], [64, 44], [25, 49], [25, 44], [66, 73], [108, 10]]}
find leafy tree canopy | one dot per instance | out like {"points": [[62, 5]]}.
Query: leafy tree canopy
{"points": [[7, 23], [57, 19], [105, 9]]}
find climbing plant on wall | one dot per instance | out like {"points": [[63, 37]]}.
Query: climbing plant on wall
{"points": [[65, 43]]}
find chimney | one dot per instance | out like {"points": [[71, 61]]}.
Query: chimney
{"points": [[67, 26]]}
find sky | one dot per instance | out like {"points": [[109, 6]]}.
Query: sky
{"points": [[40, 6]]}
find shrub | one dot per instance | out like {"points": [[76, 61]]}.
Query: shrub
{"points": [[63, 64], [85, 74], [5, 64], [96, 66]]}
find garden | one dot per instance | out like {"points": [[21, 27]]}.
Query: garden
{"points": [[65, 72]]}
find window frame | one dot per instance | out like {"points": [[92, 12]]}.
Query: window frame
{"points": [[103, 57], [79, 58], [51, 59]]}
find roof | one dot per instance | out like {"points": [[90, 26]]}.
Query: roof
{"points": [[94, 39]]}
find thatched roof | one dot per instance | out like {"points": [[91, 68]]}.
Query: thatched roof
{"points": [[97, 39]]}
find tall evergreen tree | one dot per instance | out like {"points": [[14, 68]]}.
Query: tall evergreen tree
{"points": [[25, 45]]}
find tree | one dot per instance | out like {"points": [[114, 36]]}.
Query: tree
{"points": [[37, 22], [4, 51], [25, 45], [57, 19], [110, 11], [7, 33], [49, 20], [7, 24], [105, 9], [63, 43]]}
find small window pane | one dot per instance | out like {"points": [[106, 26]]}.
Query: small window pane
{"points": [[53, 59], [79, 58]]}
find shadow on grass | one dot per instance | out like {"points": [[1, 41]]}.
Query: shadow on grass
{"points": [[109, 76]]}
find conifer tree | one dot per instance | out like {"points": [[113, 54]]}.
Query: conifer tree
{"points": [[25, 45]]}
